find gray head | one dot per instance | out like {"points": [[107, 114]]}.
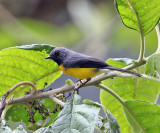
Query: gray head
{"points": [[58, 54]]}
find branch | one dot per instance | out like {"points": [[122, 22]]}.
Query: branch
{"points": [[142, 48], [40, 95], [4, 112], [150, 77], [2, 103], [66, 88], [135, 64], [110, 74]]}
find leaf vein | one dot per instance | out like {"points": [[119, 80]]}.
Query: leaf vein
{"points": [[27, 60], [18, 69]]}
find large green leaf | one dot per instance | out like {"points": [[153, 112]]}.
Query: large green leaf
{"points": [[147, 115], [139, 14], [74, 118], [152, 67], [18, 65], [127, 88]]}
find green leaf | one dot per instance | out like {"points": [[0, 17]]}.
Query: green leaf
{"points": [[53, 111], [44, 112], [126, 61], [74, 118], [17, 113], [89, 102], [69, 82], [147, 114], [139, 14], [152, 67], [18, 65], [127, 88], [37, 47]]}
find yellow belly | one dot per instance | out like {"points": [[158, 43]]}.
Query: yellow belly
{"points": [[80, 73]]}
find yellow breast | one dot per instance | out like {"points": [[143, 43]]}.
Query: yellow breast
{"points": [[80, 73]]}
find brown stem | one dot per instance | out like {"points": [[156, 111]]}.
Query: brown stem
{"points": [[3, 99]]}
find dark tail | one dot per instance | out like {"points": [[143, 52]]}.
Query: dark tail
{"points": [[122, 70]]}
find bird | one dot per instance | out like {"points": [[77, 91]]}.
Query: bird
{"points": [[81, 66]]}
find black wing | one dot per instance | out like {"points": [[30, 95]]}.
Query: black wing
{"points": [[84, 62]]}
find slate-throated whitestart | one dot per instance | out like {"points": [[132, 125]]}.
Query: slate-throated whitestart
{"points": [[81, 66]]}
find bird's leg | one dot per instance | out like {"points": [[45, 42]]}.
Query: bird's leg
{"points": [[80, 80], [77, 88]]}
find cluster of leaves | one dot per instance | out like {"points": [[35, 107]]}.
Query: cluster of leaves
{"points": [[71, 119], [135, 91], [139, 113], [139, 94]]}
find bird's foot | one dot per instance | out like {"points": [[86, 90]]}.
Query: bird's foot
{"points": [[82, 82]]}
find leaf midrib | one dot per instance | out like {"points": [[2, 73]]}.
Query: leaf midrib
{"points": [[54, 71], [137, 17]]}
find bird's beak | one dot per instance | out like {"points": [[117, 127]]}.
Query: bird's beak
{"points": [[48, 57]]}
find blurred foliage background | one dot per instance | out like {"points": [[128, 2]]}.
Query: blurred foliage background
{"points": [[89, 26]]}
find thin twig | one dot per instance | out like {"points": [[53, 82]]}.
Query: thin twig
{"points": [[4, 112], [56, 100], [2, 103], [23, 83], [150, 77], [158, 36]]}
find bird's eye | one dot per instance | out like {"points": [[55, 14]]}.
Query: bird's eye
{"points": [[56, 54]]}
